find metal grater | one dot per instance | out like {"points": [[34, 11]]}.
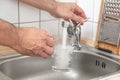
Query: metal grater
{"points": [[110, 23]]}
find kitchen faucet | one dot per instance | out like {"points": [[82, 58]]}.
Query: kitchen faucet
{"points": [[74, 34], [77, 33]]}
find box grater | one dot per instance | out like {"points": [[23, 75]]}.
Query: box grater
{"points": [[109, 31]]}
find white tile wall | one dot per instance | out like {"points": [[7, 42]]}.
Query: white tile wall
{"points": [[97, 5], [46, 16], [92, 9], [50, 26], [28, 13], [35, 24], [86, 31], [9, 10], [88, 7], [25, 15]]}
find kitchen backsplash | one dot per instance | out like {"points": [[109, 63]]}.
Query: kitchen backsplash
{"points": [[23, 15]]}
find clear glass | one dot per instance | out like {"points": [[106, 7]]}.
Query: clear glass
{"points": [[62, 58]]}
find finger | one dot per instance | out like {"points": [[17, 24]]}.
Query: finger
{"points": [[44, 55], [80, 12], [39, 52], [75, 23], [36, 51], [43, 47], [50, 42], [48, 50]]}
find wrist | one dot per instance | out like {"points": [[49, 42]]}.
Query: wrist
{"points": [[17, 44], [15, 41], [52, 6]]}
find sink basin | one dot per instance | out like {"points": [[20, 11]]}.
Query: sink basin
{"points": [[85, 65]]}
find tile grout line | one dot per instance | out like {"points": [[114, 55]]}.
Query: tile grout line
{"points": [[48, 20], [45, 21], [36, 21], [39, 18], [18, 14]]}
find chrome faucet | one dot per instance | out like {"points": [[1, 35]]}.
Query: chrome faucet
{"points": [[77, 33], [74, 35]]}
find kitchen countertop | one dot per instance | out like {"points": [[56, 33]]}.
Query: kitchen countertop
{"points": [[6, 51]]}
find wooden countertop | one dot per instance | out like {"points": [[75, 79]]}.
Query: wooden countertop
{"points": [[6, 51]]}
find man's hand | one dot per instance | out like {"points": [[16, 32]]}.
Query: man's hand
{"points": [[33, 41], [59, 9], [69, 11]]}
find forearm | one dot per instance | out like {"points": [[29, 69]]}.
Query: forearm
{"points": [[47, 5], [8, 34]]}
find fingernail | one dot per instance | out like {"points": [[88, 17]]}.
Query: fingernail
{"points": [[85, 20]]}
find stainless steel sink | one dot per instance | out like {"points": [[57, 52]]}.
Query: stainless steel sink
{"points": [[85, 65]]}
